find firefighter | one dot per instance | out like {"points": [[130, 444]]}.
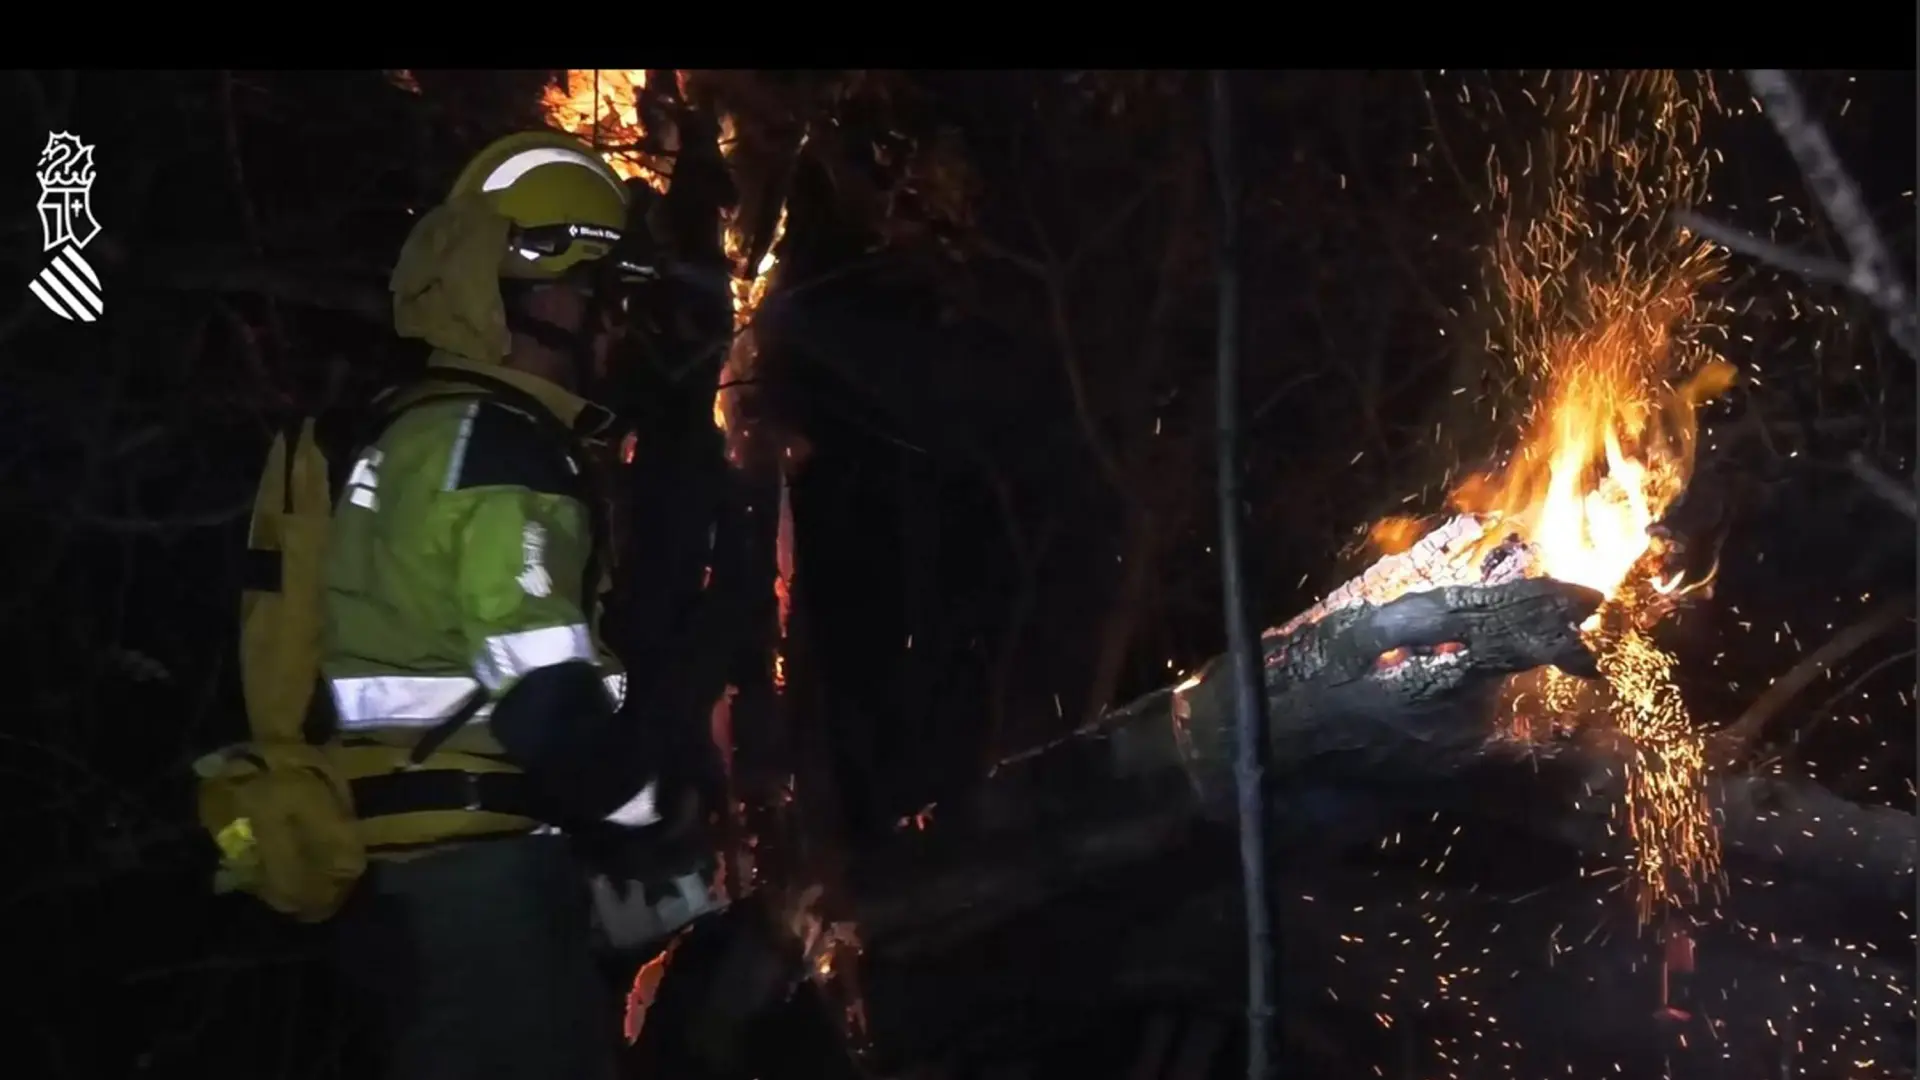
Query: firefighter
{"points": [[475, 709]]}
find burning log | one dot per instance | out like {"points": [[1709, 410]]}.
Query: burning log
{"points": [[1402, 692], [1377, 670], [1442, 557]]}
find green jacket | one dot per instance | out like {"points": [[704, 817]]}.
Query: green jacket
{"points": [[457, 560]]}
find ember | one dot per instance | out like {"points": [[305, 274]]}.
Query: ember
{"points": [[646, 984], [1453, 554]]}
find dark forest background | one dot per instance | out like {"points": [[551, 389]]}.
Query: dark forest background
{"points": [[992, 340]]}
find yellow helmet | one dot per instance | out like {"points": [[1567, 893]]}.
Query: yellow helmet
{"points": [[567, 206]]}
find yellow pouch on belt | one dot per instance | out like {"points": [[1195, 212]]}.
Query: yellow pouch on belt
{"points": [[283, 818]]}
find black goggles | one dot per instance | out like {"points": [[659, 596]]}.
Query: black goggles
{"points": [[621, 266]]}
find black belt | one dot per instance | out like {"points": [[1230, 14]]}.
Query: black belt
{"points": [[416, 790]]}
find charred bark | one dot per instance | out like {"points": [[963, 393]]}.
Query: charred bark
{"points": [[1427, 725], [1368, 691], [1122, 621]]}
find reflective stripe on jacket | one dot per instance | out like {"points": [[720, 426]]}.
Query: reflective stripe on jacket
{"points": [[458, 556]]}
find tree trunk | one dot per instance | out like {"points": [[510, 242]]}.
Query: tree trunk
{"points": [[923, 627], [1122, 619], [1006, 656]]}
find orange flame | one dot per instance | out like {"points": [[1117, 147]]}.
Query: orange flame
{"points": [[1601, 302], [1609, 446], [749, 286], [1394, 535], [646, 985], [603, 107]]}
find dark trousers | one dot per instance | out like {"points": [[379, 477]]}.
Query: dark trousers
{"points": [[479, 960]]}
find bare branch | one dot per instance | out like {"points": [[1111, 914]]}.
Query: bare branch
{"points": [[1824, 709], [249, 215], [1734, 738], [1801, 264], [1019, 260], [1899, 496], [243, 277], [1098, 236], [1063, 335], [1872, 273], [202, 519]]}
